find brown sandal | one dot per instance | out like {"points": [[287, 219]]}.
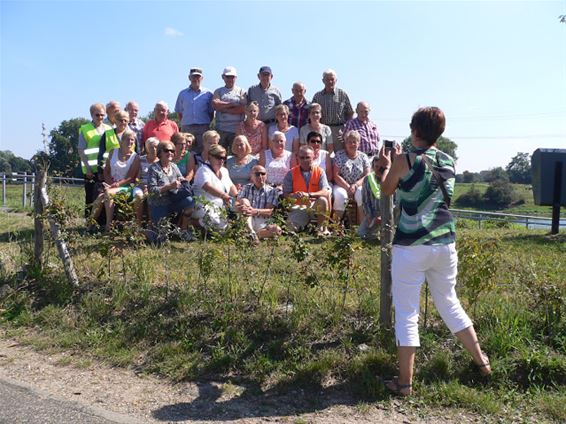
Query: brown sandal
{"points": [[485, 367], [402, 390]]}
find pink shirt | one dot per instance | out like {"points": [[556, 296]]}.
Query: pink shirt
{"points": [[163, 131]]}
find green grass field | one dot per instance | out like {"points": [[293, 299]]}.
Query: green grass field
{"points": [[297, 312]]}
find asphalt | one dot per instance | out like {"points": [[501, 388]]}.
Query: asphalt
{"points": [[22, 404]]}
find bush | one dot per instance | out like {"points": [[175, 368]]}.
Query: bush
{"points": [[470, 199], [500, 194]]}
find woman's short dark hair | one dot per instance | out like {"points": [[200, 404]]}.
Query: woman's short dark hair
{"points": [[428, 124], [314, 134]]}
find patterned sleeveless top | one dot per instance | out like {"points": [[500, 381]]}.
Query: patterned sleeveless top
{"points": [[425, 218]]}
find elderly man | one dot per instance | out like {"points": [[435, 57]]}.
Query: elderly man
{"points": [[369, 142], [256, 201], [336, 107], [307, 185], [229, 102], [160, 127], [298, 106], [136, 125], [194, 106], [266, 95], [88, 146], [111, 108]]}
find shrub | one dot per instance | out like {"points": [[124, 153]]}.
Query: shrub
{"points": [[500, 194], [471, 199]]}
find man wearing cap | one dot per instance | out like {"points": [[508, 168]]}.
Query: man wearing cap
{"points": [[298, 106], [229, 102], [336, 107], [194, 106], [370, 143], [266, 95]]}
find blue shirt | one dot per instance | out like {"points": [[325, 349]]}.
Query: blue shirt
{"points": [[195, 106]]}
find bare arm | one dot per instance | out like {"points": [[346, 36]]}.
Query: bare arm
{"points": [[392, 172]]}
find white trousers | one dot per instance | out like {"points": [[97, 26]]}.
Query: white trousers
{"points": [[341, 198], [410, 266]]}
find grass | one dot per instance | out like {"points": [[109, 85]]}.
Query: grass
{"points": [[295, 313]]}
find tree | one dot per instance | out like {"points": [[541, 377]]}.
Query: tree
{"points": [[470, 199], [469, 177], [443, 144], [494, 174], [9, 163], [63, 153], [519, 169]]}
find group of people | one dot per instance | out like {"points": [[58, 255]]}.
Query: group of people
{"points": [[315, 154]]}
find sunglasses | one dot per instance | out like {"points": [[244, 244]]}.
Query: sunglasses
{"points": [[315, 141], [169, 150], [258, 174], [219, 157]]}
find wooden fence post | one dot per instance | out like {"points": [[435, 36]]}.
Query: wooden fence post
{"points": [[41, 175], [4, 190], [387, 228]]}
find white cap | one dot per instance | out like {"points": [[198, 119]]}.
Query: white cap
{"points": [[230, 71]]}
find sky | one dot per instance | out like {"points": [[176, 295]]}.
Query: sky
{"points": [[497, 69]]}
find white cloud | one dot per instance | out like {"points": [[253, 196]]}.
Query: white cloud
{"points": [[172, 32]]}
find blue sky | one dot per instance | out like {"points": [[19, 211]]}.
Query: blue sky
{"points": [[497, 69]]}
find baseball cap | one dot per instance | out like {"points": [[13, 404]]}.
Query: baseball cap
{"points": [[195, 71], [230, 71], [265, 70]]}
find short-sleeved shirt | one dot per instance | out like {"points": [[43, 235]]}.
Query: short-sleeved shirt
{"points": [[229, 121], [369, 142], [324, 131], [253, 136], [137, 127], [260, 198], [291, 134], [336, 106], [240, 174], [157, 178], [196, 106], [277, 168], [163, 130], [267, 100], [298, 112], [351, 169], [204, 175]]}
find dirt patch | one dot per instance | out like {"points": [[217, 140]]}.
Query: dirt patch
{"points": [[150, 399]]}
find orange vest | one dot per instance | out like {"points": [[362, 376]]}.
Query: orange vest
{"points": [[299, 183]]}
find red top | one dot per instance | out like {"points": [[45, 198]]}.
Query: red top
{"points": [[163, 131]]}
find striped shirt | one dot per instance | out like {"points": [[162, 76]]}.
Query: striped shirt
{"points": [[336, 106], [298, 113], [369, 143], [425, 218], [264, 197]]}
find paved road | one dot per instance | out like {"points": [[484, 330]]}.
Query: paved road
{"points": [[21, 404]]}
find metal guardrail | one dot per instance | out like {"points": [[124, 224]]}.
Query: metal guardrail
{"points": [[27, 181], [529, 221]]}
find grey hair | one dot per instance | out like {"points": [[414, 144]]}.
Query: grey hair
{"points": [[328, 72], [278, 133]]}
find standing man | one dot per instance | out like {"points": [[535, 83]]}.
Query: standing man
{"points": [[229, 102], [194, 106], [88, 146], [307, 185], [266, 95], [160, 127], [370, 143], [298, 106], [111, 108], [336, 107], [136, 125]]}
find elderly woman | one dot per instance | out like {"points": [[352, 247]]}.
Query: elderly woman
{"points": [[276, 160], [315, 114], [120, 171], [321, 157], [282, 124], [212, 181], [169, 191], [182, 142], [371, 194], [140, 192], [209, 138], [424, 243], [254, 130], [350, 168], [111, 137], [241, 163]]}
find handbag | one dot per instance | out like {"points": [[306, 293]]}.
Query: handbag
{"points": [[182, 192]]}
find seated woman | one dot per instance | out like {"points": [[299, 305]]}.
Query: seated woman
{"points": [[140, 191], [169, 191], [282, 124], [254, 130], [121, 170], [182, 142], [350, 168], [241, 163], [213, 183], [315, 114], [209, 139], [321, 157], [276, 160], [371, 195]]}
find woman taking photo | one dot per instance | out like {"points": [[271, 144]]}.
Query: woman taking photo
{"points": [[254, 130], [424, 243], [276, 160], [169, 192], [241, 163]]}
